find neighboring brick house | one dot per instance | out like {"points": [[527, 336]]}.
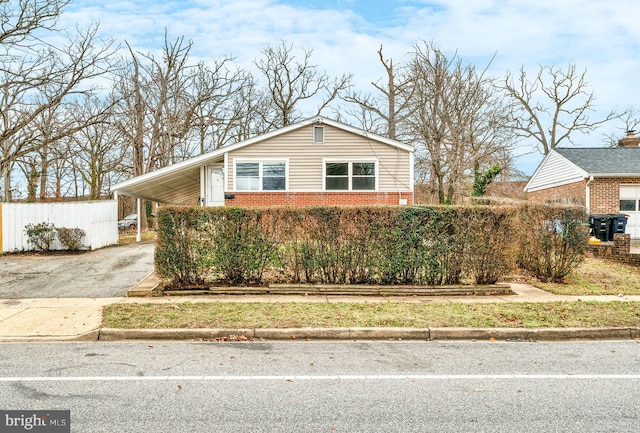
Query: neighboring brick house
{"points": [[604, 180], [314, 162]]}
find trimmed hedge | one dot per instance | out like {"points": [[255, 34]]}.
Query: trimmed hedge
{"points": [[426, 245]]}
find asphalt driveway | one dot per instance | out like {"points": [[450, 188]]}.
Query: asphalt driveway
{"points": [[104, 273]]}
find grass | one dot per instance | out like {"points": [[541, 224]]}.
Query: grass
{"points": [[391, 314], [593, 277], [128, 237], [597, 277]]}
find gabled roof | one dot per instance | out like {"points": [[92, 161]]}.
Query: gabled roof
{"points": [[605, 162], [177, 182], [562, 166]]}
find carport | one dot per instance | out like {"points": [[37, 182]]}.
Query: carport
{"points": [[196, 181]]}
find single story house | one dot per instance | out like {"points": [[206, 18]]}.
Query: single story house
{"points": [[314, 162], [604, 180]]}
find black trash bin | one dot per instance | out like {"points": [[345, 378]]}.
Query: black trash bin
{"points": [[618, 224], [600, 225]]}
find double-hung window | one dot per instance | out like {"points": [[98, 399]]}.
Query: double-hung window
{"points": [[350, 176], [261, 176]]}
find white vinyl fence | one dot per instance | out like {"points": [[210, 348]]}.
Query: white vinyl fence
{"points": [[99, 220]]}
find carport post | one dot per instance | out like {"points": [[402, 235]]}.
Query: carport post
{"points": [[1, 247], [139, 233]]}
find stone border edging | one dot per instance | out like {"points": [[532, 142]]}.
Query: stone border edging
{"points": [[344, 289]]}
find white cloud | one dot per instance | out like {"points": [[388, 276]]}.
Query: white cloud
{"points": [[601, 36]]}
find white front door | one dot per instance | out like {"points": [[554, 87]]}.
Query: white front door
{"points": [[630, 205], [215, 186]]}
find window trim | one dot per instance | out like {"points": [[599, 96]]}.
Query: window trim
{"points": [[260, 162], [350, 161]]}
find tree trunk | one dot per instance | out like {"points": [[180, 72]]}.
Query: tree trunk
{"points": [[6, 177]]}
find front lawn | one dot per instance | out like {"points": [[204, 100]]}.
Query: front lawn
{"points": [[389, 314], [597, 277], [593, 277]]}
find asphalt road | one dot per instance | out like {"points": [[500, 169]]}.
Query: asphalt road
{"points": [[329, 386], [103, 273]]}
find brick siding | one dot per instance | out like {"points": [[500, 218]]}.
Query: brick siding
{"points": [[605, 194], [572, 194], [274, 198]]}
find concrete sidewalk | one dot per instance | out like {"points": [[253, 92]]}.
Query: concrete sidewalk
{"points": [[80, 319]]}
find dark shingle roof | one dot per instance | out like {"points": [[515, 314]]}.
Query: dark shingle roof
{"points": [[610, 160]]}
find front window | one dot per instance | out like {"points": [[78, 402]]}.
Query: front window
{"points": [[350, 176], [261, 176], [364, 176], [248, 176], [337, 176], [274, 176]]}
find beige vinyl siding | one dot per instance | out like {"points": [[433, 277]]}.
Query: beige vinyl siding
{"points": [[306, 157]]}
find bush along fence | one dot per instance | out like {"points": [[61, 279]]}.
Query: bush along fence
{"points": [[42, 236], [367, 245]]}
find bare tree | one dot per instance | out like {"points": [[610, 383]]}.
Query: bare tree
{"points": [[291, 82], [35, 78], [391, 106], [152, 108], [172, 108], [222, 116], [554, 105], [455, 119], [629, 122], [97, 150], [21, 18]]}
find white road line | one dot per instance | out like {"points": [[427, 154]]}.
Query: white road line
{"points": [[425, 377]]}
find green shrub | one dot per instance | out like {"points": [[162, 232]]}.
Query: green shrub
{"points": [[177, 246], [490, 242], [241, 250], [430, 245], [553, 240], [71, 239], [41, 236]]}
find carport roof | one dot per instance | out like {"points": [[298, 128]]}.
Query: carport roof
{"points": [[176, 184], [179, 183]]}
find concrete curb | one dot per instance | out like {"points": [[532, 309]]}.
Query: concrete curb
{"points": [[440, 334], [534, 334], [93, 335]]}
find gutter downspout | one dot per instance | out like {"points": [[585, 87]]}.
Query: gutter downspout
{"points": [[203, 191], [588, 194]]}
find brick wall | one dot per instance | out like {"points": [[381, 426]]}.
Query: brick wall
{"points": [[275, 198], [570, 194], [617, 251], [605, 194]]}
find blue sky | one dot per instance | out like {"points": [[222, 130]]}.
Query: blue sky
{"points": [[602, 37]]}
